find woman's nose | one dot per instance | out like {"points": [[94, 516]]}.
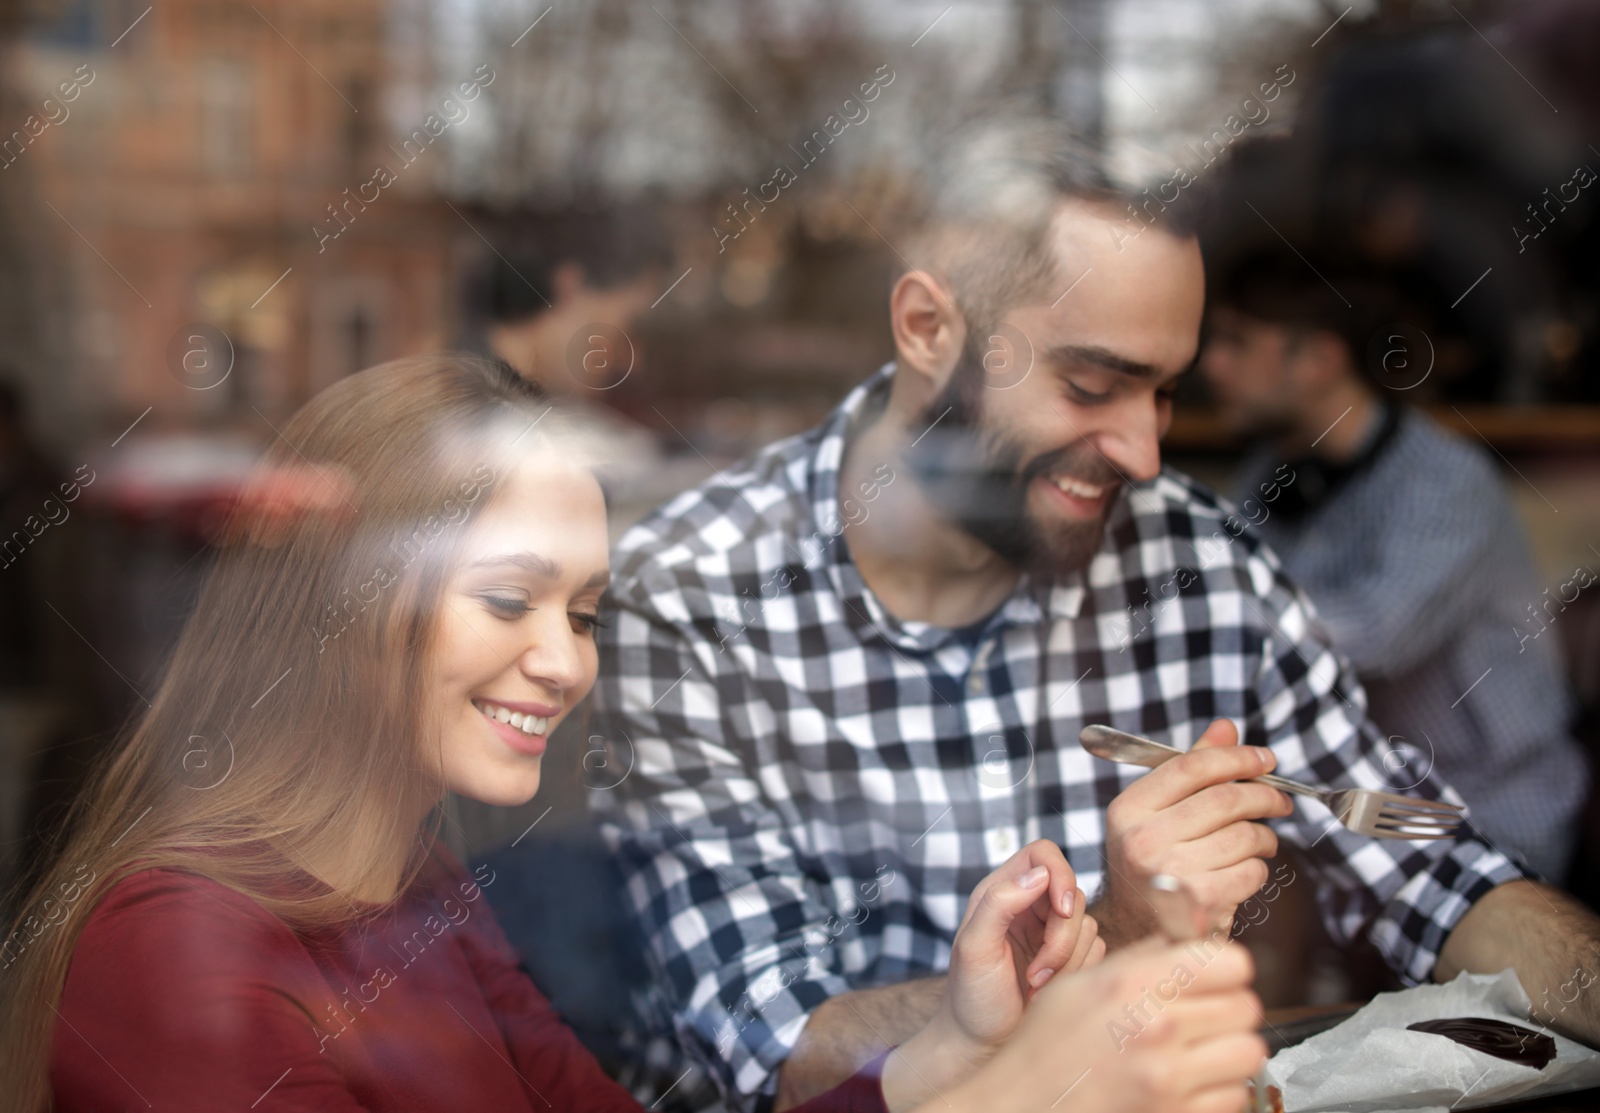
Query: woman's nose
{"points": [[553, 657]]}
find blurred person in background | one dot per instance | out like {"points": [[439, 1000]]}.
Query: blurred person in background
{"points": [[525, 305], [1405, 539], [559, 305], [252, 909], [875, 644]]}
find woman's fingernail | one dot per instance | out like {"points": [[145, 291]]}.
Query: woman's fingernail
{"points": [[1265, 756], [1069, 901], [1033, 877], [1042, 976]]}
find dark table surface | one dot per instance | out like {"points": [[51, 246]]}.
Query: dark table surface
{"points": [[1286, 1027]]}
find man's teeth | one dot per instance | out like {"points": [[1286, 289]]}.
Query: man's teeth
{"points": [[1077, 488], [527, 724]]}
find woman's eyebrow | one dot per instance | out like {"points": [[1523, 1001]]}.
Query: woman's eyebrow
{"points": [[539, 565], [528, 561]]}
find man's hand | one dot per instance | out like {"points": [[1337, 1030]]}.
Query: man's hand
{"points": [[1188, 818]]}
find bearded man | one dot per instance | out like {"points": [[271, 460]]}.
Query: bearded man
{"points": [[846, 678]]}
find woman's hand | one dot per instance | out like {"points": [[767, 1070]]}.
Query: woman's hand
{"points": [[1157, 1028], [1025, 923]]}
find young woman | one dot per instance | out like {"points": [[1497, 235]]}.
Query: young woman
{"points": [[251, 911]]}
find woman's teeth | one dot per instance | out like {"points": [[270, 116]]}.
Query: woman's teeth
{"points": [[527, 724], [1078, 489]]}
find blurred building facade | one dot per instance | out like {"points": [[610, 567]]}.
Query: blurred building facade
{"points": [[204, 144]]}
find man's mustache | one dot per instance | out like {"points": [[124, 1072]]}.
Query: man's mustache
{"points": [[969, 457], [1079, 461]]}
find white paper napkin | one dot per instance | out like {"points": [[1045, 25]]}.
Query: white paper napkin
{"points": [[1372, 1064]]}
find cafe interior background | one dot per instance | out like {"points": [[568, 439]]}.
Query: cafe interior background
{"points": [[195, 238]]}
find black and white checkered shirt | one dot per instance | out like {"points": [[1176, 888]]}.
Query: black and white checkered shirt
{"points": [[816, 786]]}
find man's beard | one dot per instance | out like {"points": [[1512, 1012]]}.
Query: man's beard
{"points": [[976, 476]]}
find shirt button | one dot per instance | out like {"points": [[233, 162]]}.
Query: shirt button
{"points": [[1001, 842], [975, 684]]}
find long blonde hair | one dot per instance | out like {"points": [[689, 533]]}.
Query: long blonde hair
{"points": [[292, 713]]}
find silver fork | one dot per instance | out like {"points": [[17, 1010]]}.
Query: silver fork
{"points": [[1366, 811]]}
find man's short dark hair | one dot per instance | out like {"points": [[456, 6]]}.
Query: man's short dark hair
{"points": [[1283, 289], [991, 195], [612, 246]]}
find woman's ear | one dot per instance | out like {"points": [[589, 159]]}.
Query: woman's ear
{"points": [[928, 329]]}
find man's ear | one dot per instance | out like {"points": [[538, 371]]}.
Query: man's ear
{"points": [[928, 330], [569, 282], [1327, 360]]}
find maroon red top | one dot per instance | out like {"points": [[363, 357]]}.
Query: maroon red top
{"points": [[183, 994]]}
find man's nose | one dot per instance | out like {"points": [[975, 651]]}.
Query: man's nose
{"points": [[1133, 444]]}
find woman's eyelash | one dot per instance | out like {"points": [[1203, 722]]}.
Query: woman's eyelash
{"points": [[591, 622], [514, 608]]}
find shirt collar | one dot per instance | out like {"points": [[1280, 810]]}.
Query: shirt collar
{"points": [[1318, 480], [828, 457]]}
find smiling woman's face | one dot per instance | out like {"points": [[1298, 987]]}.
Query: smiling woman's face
{"points": [[515, 647]]}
